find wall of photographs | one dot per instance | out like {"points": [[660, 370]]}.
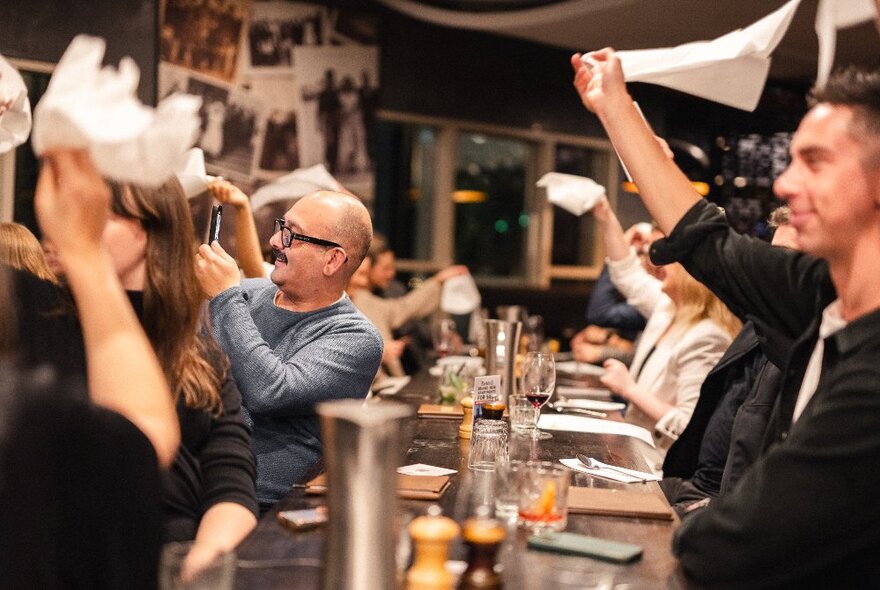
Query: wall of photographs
{"points": [[285, 85]]}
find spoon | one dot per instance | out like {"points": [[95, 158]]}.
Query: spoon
{"points": [[593, 464]]}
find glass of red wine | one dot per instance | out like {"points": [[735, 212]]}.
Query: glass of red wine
{"points": [[537, 384], [444, 337]]}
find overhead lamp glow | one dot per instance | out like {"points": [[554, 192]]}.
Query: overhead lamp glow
{"points": [[702, 188], [464, 197]]}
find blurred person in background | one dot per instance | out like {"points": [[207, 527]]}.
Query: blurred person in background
{"points": [[20, 249]]}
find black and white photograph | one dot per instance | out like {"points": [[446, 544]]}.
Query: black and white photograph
{"points": [[203, 35], [338, 88], [231, 123], [279, 151], [275, 28]]}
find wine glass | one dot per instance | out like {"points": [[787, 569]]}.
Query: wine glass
{"points": [[537, 384], [444, 336]]}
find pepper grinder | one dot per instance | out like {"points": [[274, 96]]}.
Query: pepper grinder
{"points": [[431, 535], [467, 421], [484, 536]]}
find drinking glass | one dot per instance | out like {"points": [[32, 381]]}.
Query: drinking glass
{"points": [[488, 445], [543, 496], [444, 336], [507, 472], [522, 415], [537, 384], [218, 575]]}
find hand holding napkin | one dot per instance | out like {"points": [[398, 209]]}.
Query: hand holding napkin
{"points": [[15, 109], [87, 106], [575, 194]]}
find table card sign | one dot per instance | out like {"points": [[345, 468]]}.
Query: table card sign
{"points": [[487, 390]]}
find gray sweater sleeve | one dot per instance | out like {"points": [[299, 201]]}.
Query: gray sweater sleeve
{"points": [[341, 363]]}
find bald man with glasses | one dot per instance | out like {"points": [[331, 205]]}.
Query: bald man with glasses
{"points": [[295, 340]]}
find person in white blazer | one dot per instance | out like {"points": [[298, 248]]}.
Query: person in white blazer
{"points": [[688, 330]]}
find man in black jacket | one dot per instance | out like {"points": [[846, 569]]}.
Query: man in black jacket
{"points": [[806, 511]]}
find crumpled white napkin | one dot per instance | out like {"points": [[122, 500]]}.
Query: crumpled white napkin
{"points": [[298, 183], [87, 106], [831, 16], [460, 295], [191, 173], [575, 194], [731, 69], [15, 119]]}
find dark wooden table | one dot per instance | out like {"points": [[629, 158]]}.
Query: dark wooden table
{"points": [[272, 557]]}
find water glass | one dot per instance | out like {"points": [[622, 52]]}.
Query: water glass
{"points": [[543, 496], [522, 415], [488, 444], [218, 575], [507, 474]]}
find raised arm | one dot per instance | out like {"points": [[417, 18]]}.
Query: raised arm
{"points": [[665, 190], [247, 242], [124, 375]]}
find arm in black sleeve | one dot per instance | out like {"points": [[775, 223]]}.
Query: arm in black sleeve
{"points": [[754, 279], [227, 461]]}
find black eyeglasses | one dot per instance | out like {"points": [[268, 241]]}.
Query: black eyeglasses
{"points": [[288, 236]]}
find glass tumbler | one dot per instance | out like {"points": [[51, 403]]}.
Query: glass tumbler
{"points": [[543, 496], [488, 445]]}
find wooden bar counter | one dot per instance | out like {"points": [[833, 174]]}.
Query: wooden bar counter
{"points": [[274, 557]]}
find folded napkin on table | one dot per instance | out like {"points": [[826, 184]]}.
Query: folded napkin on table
{"points": [[603, 471]]}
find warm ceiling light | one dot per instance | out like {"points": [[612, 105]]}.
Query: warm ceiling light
{"points": [[702, 188], [469, 197]]}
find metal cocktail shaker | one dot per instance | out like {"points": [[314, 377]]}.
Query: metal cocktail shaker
{"points": [[503, 343], [362, 451]]}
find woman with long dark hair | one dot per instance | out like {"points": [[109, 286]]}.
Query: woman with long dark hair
{"points": [[209, 491]]}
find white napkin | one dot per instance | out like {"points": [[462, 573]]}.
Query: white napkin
{"points": [[86, 106], [297, 184], [191, 173], [576, 368], [575, 194], [593, 425], [569, 391], [460, 295], [596, 405], [15, 121], [731, 69], [391, 385], [422, 469], [635, 477], [831, 16]]}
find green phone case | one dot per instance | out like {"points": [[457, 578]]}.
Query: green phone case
{"points": [[575, 544]]}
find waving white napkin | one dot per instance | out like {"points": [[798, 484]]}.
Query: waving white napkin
{"points": [[86, 106], [15, 118], [575, 194], [831, 16], [298, 183], [731, 69], [460, 295], [191, 173]]}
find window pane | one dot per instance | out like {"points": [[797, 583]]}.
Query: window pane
{"points": [[574, 237], [405, 187], [490, 217]]}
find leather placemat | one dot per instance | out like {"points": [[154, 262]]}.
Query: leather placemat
{"points": [[614, 502], [409, 487]]}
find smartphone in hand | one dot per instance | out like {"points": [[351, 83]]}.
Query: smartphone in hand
{"points": [[214, 228]]}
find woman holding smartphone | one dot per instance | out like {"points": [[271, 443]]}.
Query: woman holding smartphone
{"points": [[208, 493]]}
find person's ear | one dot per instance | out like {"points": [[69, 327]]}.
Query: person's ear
{"points": [[336, 259]]}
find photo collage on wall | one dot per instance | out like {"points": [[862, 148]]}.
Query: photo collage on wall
{"points": [[285, 85]]}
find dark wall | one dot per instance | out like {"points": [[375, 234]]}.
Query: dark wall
{"points": [[42, 29]]}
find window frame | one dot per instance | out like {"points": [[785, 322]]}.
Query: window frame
{"points": [[539, 270]]}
